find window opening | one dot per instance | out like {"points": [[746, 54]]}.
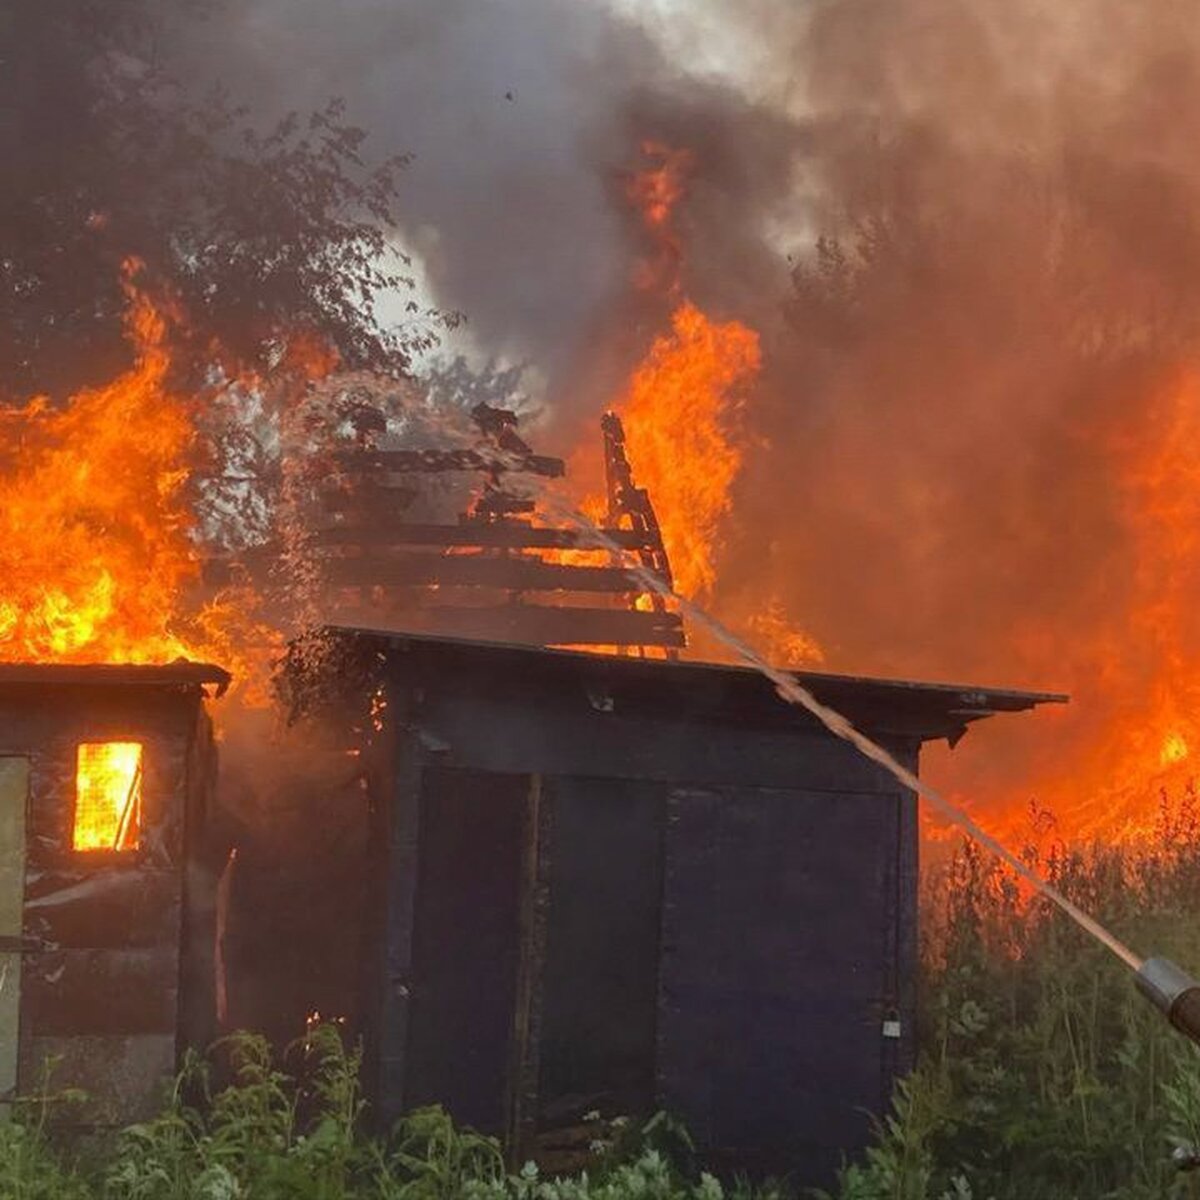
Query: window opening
{"points": [[108, 796]]}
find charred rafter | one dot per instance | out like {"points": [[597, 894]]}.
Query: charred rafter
{"points": [[497, 558]]}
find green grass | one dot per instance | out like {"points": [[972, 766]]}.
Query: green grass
{"points": [[271, 1134], [1044, 1075]]}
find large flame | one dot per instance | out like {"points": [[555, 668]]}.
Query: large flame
{"points": [[1129, 739], [681, 403], [679, 413], [682, 408], [94, 529]]}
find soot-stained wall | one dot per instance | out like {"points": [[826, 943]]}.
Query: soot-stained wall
{"points": [[111, 952]]}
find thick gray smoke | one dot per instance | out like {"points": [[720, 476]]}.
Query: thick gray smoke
{"points": [[957, 452], [521, 116]]}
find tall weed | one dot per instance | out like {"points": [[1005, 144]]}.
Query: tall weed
{"points": [[1044, 1076]]}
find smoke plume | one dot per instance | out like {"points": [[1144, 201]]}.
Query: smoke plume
{"points": [[967, 233]]}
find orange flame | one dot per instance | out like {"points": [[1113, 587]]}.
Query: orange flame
{"points": [[679, 413], [108, 796], [94, 529], [681, 404], [1132, 664]]}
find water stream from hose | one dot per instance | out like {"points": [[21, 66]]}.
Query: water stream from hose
{"points": [[792, 691], [455, 427]]}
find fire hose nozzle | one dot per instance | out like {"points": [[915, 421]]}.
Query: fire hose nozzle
{"points": [[1174, 992]]}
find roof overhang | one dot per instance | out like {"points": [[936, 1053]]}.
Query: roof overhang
{"points": [[181, 673], [925, 711]]}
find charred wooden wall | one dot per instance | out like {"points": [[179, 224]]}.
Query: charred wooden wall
{"points": [[624, 887], [117, 968]]}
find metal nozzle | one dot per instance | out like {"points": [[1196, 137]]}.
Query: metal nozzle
{"points": [[1174, 992]]}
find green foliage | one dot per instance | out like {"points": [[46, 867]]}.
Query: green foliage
{"points": [[266, 1133], [1044, 1075], [262, 230], [29, 1167]]}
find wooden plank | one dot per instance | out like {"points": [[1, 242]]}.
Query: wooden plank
{"points": [[500, 504], [600, 980], [116, 907], [686, 1034], [371, 502], [525, 1072], [104, 992], [513, 535], [395, 785], [542, 625], [567, 735], [432, 461], [907, 910], [176, 674], [773, 980], [517, 573], [465, 947], [14, 788]]}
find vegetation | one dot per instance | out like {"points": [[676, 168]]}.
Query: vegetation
{"points": [[1044, 1075], [267, 1134], [262, 230]]}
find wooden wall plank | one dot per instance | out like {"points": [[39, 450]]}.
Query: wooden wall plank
{"points": [[395, 783], [783, 930], [436, 461], [515, 573], [551, 626], [79, 992], [486, 733], [511, 534], [122, 907], [14, 792], [124, 1076]]}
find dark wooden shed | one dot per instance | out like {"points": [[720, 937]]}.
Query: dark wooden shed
{"points": [[621, 885], [106, 909]]}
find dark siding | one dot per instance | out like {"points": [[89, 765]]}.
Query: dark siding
{"points": [[601, 974], [466, 944], [752, 875], [572, 739], [775, 970], [68, 992]]}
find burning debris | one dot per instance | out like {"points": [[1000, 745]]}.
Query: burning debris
{"points": [[498, 573]]}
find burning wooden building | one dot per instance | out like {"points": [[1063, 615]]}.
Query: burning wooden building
{"points": [[580, 882], [107, 909], [606, 883]]}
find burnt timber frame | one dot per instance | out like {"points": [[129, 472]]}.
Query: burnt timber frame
{"points": [[503, 588], [777, 868]]}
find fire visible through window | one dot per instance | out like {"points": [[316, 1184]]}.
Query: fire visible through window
{"points": [[108, 796]]}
